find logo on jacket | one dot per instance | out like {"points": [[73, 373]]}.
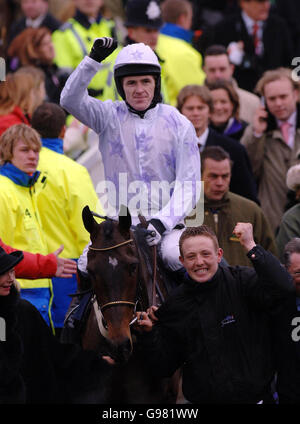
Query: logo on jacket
{"points": [[2, 330], [296, 331], [27, 213], [227, 320]]}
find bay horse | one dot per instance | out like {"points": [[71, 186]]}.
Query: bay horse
{"points": [[122, 285]]}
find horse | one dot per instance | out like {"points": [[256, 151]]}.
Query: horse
{"points": [[121, 286]]}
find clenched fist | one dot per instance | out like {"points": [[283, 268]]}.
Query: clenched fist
{"points": [[102, 48], [244, 232]]}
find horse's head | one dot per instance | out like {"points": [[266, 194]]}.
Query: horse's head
{"points": [[113, 268]]}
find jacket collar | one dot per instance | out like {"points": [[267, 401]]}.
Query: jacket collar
{"points": [[233, 127], [217, 204], [17, 176], [55, 144], [177, 32], [200, 287], [83, 20]]}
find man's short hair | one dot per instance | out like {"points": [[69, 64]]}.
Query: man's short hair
{"points": [[230, 90], [12, 135], [202, 230], [216, 153], [48, 119], [293, 246], [172, 9], [275, 75], [200, 91], [216, 50]]}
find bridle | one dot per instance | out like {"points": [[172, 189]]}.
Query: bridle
{"points": [[98, 309]]}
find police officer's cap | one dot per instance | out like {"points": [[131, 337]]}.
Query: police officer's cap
{"points": [[144, 13]]}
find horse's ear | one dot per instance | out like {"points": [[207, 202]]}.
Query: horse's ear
{"points": [[88, 219], [124, 218]]}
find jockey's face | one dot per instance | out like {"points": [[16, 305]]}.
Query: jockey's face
{"points": [[200, 258], [139, 91]]}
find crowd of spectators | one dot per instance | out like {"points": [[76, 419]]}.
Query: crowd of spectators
{"points": [[230, 67]]}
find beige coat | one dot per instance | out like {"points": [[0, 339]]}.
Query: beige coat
{"points": [[249, 102], [271, 158]]}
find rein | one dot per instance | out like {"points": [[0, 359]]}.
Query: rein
{"points": [[144, 224]]}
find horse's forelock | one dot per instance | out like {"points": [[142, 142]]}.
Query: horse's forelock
{"points": [[108, 228]]}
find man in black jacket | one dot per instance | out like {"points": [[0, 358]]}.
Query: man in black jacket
{"points": [[216, 324], [262, 41]]}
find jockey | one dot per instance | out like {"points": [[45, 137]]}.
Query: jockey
{"points": [[149, 150]]}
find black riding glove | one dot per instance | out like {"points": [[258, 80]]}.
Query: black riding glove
{"points": [[102, 48]]}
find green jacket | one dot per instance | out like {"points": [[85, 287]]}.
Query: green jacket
{"points": [[223, 216], [289, 228]]}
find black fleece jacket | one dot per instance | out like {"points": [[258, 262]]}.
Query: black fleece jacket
{"points": [[218, 332]]}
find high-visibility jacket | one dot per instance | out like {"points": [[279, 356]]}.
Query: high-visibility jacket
{"points": [[74, 40], [182, 66], [65, 188], [20, 226]]}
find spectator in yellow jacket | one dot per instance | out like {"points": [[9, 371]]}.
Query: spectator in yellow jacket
{"points": [[75, 38], [20, 221], [183, 63]]}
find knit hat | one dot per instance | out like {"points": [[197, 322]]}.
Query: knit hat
{"points": [[9, 260]]}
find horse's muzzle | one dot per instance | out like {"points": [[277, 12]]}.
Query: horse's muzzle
{"points": [[121, 352]]}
